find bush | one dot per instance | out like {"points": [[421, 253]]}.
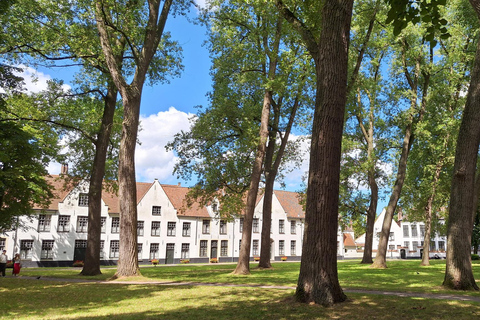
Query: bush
{"points": [[475, 257], [283, 258], [184, 260], [214, 260], [154, 262]]}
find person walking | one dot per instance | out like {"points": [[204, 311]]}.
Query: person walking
{"points": [[17, 264], [3, 262]]}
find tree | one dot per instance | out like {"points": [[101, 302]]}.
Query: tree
{"points": [[463, 198], [118, 24], [324, 29]]}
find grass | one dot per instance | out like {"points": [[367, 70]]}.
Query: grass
{"points": [[33, 299]]}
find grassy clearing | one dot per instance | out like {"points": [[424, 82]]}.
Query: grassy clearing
{"points": [[29, 299], [43, 299]]}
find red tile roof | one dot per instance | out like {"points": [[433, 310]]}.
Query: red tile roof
{"points": [[60, 191], [177, 196], [290, 202], [348, 240]]}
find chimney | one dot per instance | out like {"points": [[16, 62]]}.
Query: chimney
{"points": [[64, 169], [179, 184]]}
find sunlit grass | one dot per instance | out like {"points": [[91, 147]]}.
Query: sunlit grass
{"points": [[58, 300]]}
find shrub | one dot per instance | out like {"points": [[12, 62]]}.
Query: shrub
{"points": [[154, 262], [256, 258], [475, 257], [214, 260], [9, 264], [283, 258], [184, 260]]}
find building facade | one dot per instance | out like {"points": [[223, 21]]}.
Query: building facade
{"points": [[168, 230]]}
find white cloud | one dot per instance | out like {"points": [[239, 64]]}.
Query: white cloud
{"points": [[35, 81], [152, 161], [293, 179]]}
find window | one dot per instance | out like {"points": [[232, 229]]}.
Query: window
{"points": [[47, 249], [139, 250], [414, 245], [185, 251], [255, 248], [215, 208], [154, 254], [115, 225], [441, 245], [206, 227], [26, 249], [203, 248], [281, 226], [2, 243], [391, 247], [293, 227], [80, 244], [83, 200], [103, 224], [44, 222], [223, 227], [186, 229], [406, 244], [82, 223], [405, 231], [171, 226], [102, 246], [155, 228], [140, 227], [63, 224], [224, 248], [114, 248], [241, 225], [432, 246], [391, 237], [156, 210], [293, 248], [422, 230], [414, 230], [281, 247], [255, 225]]}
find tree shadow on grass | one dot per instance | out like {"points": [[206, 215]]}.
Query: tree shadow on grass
{"points": [[47, 300]]}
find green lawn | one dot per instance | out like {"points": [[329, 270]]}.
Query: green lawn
{"points": [[43, 299]]}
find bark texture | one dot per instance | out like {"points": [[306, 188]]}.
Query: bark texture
{"points": [[92, 255], [243, 265], [458, 272], [318, 279]]}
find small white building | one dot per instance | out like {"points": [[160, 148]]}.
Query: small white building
{"points": [[406, 239]]}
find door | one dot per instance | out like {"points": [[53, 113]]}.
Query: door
{"points": [[170, 253], [214, 249]]}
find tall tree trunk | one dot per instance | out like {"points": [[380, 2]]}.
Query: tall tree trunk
{"points": [[458, 272], [243, 266], [371, 215], [318, 279], [127, 187], [271, 171], [92, 255], [381, 257], [131, 97]]}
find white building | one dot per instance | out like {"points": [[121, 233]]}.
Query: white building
{"points": [[405, 241], [168, 230]]}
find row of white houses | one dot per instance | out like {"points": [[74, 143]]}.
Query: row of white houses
{"points": [[170, 231], [167, 229]]}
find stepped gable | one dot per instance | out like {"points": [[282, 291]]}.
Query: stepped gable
{"points": [[290, 202], [177, 196], [60, 192]]}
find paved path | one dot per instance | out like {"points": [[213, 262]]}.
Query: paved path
{"points": [[439, 296]]}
